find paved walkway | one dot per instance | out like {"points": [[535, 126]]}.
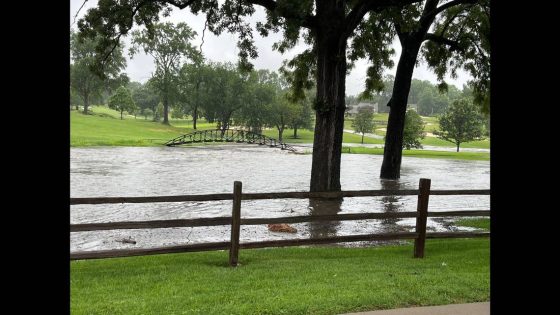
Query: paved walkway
{"points": [[452, 309]]}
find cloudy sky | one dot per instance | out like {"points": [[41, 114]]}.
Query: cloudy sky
{"points": [[223, 48]]}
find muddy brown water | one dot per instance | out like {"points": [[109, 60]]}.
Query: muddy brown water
{"points": [[154, 171]]}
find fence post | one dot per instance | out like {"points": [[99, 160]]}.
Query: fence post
{"points": [[421, 219], [235, 224]]}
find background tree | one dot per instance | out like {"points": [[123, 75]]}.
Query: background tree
{"points": [[227, 93], [263, 88], [363, 123], [462, 122], [413, 130], [303, 112], [86, 83], [326, 26], [193, 80], [450, 46], [168, 44], [122, 101]]}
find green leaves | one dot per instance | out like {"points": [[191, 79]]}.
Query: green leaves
{"points": [[462, 122], [413, 130], [122, 101]]}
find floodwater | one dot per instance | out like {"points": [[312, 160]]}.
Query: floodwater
{"points": [[155, 171]]}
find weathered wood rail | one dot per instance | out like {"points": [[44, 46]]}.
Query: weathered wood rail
{"points": [[235, 221], [228, 135]]}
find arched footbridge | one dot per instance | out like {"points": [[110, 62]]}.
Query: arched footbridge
{"points": [[229, 135]]}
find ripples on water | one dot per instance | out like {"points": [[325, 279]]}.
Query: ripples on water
{"points": [[155, 171]]}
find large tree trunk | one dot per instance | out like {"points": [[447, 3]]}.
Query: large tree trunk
{"points": [[392, 153], [86, 104], [330, 105]]}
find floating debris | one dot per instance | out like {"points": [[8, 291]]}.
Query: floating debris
{"points": [[282, 228]]}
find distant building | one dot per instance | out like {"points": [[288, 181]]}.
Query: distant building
{"points": [[356, 108]]}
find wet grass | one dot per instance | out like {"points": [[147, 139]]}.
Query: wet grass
{"points": [[479, 223], [481, 156], [317, 280], [103, 127]]}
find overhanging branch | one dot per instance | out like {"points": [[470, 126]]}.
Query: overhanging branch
{"points": [[454, 45], [364, 6]]}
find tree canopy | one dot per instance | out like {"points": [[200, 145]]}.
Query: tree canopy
{"points": [[462, 122]]}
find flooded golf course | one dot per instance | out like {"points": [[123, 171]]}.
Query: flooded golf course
{"points": [[157, 171]]}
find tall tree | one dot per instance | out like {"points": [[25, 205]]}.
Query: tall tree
{"points": [[325, 26], [193, 80], [461, 123], [122, 101], [168, 44], [453, 44], [84, 81]]}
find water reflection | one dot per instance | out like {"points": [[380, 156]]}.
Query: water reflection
{"points": [[391, 204], [324, 207]]}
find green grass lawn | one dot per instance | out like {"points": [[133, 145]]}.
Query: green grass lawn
{"points": [[479, 223], [317, 280], [483, 156], [105, 128]]}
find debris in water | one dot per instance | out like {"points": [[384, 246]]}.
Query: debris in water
{"points": [[282, 228], [128, 240]]}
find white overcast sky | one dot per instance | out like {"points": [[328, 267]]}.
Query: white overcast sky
{"points": [[223, 48]]}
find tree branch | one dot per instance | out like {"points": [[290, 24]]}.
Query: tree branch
{"points": [[364, 6], [308, 21], [442, 40], [446, 6]]}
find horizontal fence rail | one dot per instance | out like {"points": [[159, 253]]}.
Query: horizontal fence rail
{"points": [[235, 221], [277, 195]]}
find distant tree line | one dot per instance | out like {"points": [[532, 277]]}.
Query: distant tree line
{"points": [[429, 99]]}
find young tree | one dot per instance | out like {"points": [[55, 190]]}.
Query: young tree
{"points": [[168, 44], [462, 122], [326, 26], [459, 39], [122, 101], [86, 83], [363, 122], [413, 130]]}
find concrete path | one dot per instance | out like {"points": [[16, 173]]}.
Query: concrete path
{"points": [[452, 309]]}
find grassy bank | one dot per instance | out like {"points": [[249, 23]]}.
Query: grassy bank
{"points": [[479, 223], [105, 128], [481, 156], [284, 280]]}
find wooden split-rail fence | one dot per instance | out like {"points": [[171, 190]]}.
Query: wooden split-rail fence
{"points": [[235, 221]]}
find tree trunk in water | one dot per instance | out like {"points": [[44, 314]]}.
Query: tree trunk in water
{"points": [[329, 106], [392, 153], [280, 132]]}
